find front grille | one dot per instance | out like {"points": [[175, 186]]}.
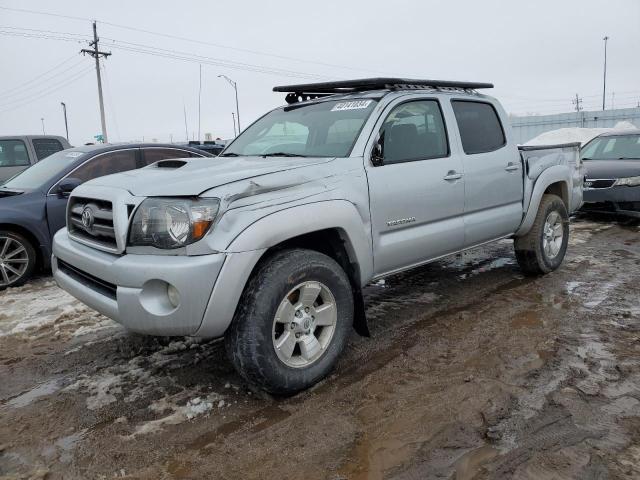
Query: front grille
{"points": [[91, 220], [100, 286], [599, 183]]}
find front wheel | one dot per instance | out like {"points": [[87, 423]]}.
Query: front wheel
{"points": [[17, 259], [543, 248], [292, 322]]}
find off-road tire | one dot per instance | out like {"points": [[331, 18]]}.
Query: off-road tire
{"points": [[529, 247], [30, 258], [248, 340]]}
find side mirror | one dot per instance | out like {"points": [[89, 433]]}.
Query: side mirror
{"points": [[67, 185], [377, 153]]}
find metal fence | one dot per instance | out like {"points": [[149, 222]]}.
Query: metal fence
{"points": [[526, 128]]}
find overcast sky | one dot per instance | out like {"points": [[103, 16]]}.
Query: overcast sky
{"points": [[539, 54]]}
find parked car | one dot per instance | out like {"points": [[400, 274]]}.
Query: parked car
{"points": [[33, 204], [612, 164], [210, 147], [351, 182], [213, 149], [18, 153]]}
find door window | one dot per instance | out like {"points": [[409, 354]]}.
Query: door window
{"points": [[46, 146], [113, 162], [153, 155], [479, 126], [414, 131], [13, 153]]}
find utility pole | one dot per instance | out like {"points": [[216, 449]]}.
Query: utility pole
{"points": [[199, 102], [186, 128], [233, 115], [96, 54], [604, 83], [66, 125], [235, 87], [577, 102], [43, 132]]}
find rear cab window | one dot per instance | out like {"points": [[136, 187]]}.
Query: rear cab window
{"points": [[479, 124], [13, 153], [46, 146]]}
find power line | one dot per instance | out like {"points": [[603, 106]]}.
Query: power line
{"points": [[44, 94], [36, 78], [55, 84], [185, 56], [195, 41], [175, 54]]}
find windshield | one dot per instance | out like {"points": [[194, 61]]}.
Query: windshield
{"points": [[13, 153], [323, 129], [46, 169], [613, 148]]}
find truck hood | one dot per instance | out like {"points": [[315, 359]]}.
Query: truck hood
{"points": [[190, 177], [612, 168]]}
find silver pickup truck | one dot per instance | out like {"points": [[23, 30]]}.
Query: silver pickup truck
{"points": [[271, 246]]}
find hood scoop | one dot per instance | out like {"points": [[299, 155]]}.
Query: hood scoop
{"points": [[170, 164]]}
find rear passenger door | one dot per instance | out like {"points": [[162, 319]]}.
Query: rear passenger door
{"points": [[417, 190], [493, 173]]}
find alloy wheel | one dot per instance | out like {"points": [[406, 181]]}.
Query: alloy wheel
{"points": [[304, 324], [14, 260]]}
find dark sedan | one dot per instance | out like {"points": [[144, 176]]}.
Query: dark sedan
{"points": [[33, 203], [612, 164]]}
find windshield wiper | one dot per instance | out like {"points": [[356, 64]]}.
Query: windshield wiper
{"points": [[628, 158], [282, 154], [229, 154]]}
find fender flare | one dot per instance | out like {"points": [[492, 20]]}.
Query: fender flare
{"points": [[331, 214], [555, 174], [248, 247]]}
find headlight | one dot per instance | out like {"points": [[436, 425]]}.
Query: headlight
{"points": [[172, 222], [629, 182]]}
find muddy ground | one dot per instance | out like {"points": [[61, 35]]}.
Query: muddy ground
{"points": [[472, 371]]}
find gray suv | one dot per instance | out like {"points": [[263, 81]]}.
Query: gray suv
{"points": [[350, 182]]}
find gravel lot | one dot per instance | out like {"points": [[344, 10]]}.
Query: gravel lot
{"points": [[472, 371]]}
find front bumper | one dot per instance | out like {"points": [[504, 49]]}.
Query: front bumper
{"points": [[622, 200], [132, 289]]}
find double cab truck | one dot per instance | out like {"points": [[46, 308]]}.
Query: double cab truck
{"points": [[350, 182]]}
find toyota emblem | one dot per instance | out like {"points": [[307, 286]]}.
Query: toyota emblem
{"points": [[87, 218]]}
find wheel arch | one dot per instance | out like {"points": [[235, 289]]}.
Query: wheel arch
{"points": [[333, 228], [555, 180], [41, 261]]}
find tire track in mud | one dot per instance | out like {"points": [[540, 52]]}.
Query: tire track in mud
{"points": [[473, 371]]}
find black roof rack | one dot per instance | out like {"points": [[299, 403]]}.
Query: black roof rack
{"points": [[296, 93]]}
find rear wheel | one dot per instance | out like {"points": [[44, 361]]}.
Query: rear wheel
{"points": [[543, 248], [292, 322], [17, 259]]}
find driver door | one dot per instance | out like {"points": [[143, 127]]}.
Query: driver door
{"points": [[416, 189]]}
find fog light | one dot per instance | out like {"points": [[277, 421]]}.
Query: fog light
{"points": [[174, 295]]}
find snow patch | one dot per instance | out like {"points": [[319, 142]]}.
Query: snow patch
{"points": [[576, 134]]}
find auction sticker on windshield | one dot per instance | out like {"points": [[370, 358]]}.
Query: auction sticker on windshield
{"points": [[356, 105]]}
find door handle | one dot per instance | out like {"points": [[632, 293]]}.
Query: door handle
{"points": [[452, 175], [512, 167]]}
